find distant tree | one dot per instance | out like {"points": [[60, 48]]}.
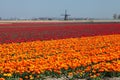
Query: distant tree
{"points": [[0, 18], [119, 16], [114, 16], [49, 18]]}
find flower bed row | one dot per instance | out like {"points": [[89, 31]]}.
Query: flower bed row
{"points": [[21, 32], [87, 57]]}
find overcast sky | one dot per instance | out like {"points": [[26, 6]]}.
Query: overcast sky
{"points": [[54, 8]]}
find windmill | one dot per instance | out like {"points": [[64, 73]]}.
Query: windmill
{"points": [[65, 15]]}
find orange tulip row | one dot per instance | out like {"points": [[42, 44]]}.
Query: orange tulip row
{"points": [[100, 53]]}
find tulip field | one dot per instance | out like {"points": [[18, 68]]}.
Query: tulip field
{"points": [[38, 51]]}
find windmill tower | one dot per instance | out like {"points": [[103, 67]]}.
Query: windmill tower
{"points": [[65, 15]]}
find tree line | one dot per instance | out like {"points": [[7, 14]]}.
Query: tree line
{"points": [[116, 16]]}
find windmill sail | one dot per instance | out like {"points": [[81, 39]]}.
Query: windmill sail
{"points": [[65, 15]]}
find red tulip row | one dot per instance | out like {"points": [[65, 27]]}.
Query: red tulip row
{"points": [[20, 32]]}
